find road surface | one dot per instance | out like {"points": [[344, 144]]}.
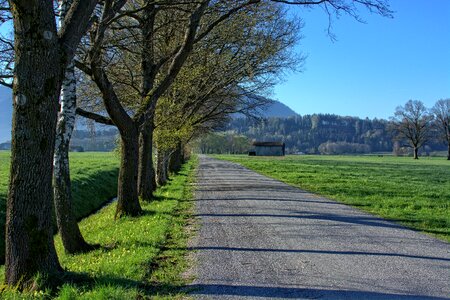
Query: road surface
{"points": [[262, 239]]}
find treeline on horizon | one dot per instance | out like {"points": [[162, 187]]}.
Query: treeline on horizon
{"points": [[312, 134]]}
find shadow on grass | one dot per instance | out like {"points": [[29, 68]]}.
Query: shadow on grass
{"points": [[85, 282]]}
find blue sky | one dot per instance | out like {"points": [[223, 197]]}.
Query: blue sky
{"points": [[374, 67]]}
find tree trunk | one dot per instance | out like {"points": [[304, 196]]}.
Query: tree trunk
{"points": [[146, 180], [416, 153], [448, 151], [153, 179], [67, 224], [127, 193], [146, 172], [41, 56], [37, 81], [176, 159], [161, 168]]}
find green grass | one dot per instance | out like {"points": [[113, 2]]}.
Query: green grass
{"points": [[94, 181], [415, 193], [141, 258]]}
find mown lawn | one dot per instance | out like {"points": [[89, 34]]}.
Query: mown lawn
{"points": [[415, 193], [94, 182], [140, 258]]}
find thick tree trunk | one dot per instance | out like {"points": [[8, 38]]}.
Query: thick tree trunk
{"points": [[146, 181], [146, 173], [68, 228], [176, 159], [127, 193], [416, 153], [37, 80], [41, 56]]}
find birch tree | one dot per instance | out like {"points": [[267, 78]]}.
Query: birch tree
{"points": [[67, 224], [41, 55]]}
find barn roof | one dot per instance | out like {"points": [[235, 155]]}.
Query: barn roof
{"points": [[268, 144]]}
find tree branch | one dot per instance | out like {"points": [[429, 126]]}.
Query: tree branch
{"points": [[95, 117]]}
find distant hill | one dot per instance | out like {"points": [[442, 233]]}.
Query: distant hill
{"points": [[324, 133], [5, 113], [275, 109], [278, 110]]}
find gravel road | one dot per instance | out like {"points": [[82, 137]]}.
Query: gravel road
{"points": [[260, 238]]}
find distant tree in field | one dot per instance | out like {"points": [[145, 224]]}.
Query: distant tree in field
{"points": [[441, 112], [412, 123]]}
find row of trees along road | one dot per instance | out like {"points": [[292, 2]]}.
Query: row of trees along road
{"points": [[163, 71], [414, 125]]}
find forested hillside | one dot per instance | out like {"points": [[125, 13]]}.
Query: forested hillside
{"points": [[318, 133]]}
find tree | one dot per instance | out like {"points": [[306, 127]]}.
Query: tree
{"points": [[174, 45], [412, 123], [441, 111], [131, 127], [245, 54], [41, 56], [202, 17], [67, 224]]}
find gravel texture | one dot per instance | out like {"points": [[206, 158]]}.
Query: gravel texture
{"points": [[260, 238]]}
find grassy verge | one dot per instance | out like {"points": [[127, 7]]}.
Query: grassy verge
{"points": [[141, 258], [94, 181], [415, 193]]}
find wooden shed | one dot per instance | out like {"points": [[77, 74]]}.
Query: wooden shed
{"points": [[267, 149]]}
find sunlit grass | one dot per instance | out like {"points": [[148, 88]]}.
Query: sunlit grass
{"points": [[94, 181], [140, 258], [415, 193]]}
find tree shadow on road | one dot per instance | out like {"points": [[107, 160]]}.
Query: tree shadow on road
{"points": [[212, 290], [365, 253], [358, 220]]}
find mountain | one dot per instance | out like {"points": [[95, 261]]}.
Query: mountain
{"points": [[274, 109], [5, 114], [278, 110]]}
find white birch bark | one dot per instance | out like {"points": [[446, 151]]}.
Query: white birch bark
{"points": [[67, 113], [70, 233]]}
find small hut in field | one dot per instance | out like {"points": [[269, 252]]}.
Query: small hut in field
{"points": [[267, 149]]}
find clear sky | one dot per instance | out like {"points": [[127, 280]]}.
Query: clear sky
{"points": [[374, 67]]}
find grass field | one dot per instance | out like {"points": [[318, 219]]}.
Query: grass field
{"points": [[415, 193], [94, 181], [140, 258]]}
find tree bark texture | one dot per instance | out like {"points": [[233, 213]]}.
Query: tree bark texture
{"points": [[146, 172], [127, 193], [416, 153], [146, 177], [41, 56], [37, 81], [67, 224]]}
